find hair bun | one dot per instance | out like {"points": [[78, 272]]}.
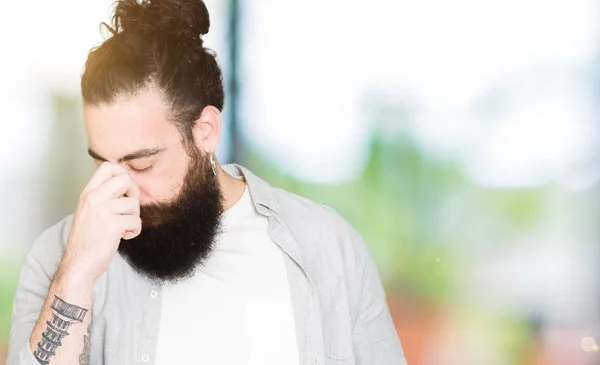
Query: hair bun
{"points": [[180, 18]]}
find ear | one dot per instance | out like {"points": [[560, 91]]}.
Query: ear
{"points": [[207, 129]]}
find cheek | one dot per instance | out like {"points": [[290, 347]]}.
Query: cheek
{"points": [[158, 187]]}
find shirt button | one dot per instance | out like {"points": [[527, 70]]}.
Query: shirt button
{"points": [[153, 294], [145, 358]]}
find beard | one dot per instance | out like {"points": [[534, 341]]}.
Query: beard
{"points": [[178, 236]]}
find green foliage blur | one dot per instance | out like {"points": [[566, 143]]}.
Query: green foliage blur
{"points": [[9, 272], [412, 210]]}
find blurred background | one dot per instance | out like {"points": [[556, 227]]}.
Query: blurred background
{"points": [[461, 139]]}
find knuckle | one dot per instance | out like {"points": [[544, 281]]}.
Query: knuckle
{"points": [[92, 199], [136, 222], [104, 166], [123, 179]]}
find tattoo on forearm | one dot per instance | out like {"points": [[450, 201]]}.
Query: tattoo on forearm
{"points": [[84, 358], [63, 315]]}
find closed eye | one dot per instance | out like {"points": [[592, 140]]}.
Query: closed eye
{"points": [[141, 171]]}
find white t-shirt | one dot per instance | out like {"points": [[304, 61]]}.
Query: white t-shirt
{"points": [[236, 309]]}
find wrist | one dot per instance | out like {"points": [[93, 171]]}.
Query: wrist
{"points": [[73, 286], [71, 275]]}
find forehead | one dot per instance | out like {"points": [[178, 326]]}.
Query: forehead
{"points": [[129, 124]]}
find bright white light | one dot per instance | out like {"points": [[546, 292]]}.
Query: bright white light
{"points": [[588, 344], [535, 143], [303, 107], [307, 71], [25, 108]]}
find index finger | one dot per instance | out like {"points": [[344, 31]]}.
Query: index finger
{"points": [[105, 172], [118, 186]]}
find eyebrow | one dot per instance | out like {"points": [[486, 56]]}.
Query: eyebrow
{"points": [[147, 152]]}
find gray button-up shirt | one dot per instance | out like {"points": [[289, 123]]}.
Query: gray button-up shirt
{"points": [[339, 304]]}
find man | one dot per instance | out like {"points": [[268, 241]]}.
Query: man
{"points": [[214, 266]]}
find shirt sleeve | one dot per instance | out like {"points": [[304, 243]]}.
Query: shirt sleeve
{"points": [[375, 339], [32, 289]]}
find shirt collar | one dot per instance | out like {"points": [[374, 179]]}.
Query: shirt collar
{"points": [[261, 192], [267, 204]]}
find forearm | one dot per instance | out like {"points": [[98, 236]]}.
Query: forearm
{"points": [[51, 317], [61, 334]]}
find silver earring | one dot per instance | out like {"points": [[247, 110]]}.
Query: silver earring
{"points": [[212, 163]]}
